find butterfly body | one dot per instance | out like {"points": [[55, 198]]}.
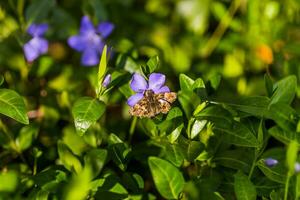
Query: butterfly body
{"points": [[152, 104]]}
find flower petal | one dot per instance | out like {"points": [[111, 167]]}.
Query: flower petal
{"points": [[156, 81], [43, 45], [86, 25], [105, 28], [30, 52], [77, 42], [162, 90], [90, 57], [35, 47], [132, 100], [37, 29], [138, 83]]}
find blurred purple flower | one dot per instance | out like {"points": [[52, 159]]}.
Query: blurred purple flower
{"points": [[270, 162], [297, 167], [140, 85], [37, 45], [107, 80], [90, 40]]}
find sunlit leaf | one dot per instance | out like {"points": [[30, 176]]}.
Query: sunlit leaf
{"points": [[167, 178], [87, 111], [12, 105], [243, 187], [284, 90]]}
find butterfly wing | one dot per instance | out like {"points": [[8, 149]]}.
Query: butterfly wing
{"points": [[141, 109], [164, 101]]}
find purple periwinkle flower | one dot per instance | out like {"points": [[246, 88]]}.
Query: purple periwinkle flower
{"points": [[37, 45], [297, 167], [90, 40], [107, 80], [270, 162], [140, 85]]}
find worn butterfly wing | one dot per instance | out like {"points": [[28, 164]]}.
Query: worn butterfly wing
{"points": [[152, 105]]}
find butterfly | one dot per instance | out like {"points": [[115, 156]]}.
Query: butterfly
{"points": [[152, 104]]}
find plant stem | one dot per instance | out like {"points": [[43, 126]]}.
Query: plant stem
{"points": [[252, 166], [220, 30], [132, 128], [286, 190]]}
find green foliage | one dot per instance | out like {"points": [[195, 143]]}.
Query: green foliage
{"points": [[12, 105], [234, 66], [167, 178]]}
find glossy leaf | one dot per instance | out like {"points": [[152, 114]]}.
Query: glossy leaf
{"points": [[197, 127], [101, 69], [284, 90], [151, 65], [12, 105], [243, 187], [186, 83], [87, 111], [167, 178]]}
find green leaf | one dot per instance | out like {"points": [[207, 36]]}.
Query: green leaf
{"points": [[197, 128], [238, 134], [191, 149], [217, 115], [278, 172], [168, 179], [243, 187], [26, 136], [174, 113], [186, 83], [119, 151], [101, 69], [87, 111], [284, 90], [268, 85], [12, 105], [285, 116], [172, 137], [174, 154], [151, 65], [256, 105], [274, 174], [284, 136], [67, 158], [96, 159], [38, 10], [239, 159], [8, 181], [133, 181]]}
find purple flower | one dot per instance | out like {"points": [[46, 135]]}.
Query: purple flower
{"points": [[297, 167], [90, 40], [270, 162], [37, 45], [140, 85], [106, 80]]}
